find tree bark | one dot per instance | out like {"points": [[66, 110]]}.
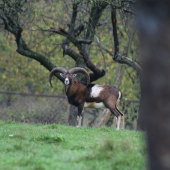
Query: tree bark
{"points": [[154, 26]]}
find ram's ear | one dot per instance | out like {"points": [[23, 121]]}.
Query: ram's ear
{"points": [[74, 75], [61, 74]]}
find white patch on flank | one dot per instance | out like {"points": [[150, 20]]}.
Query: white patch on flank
{"points": [[95, 91], [94, 105]]}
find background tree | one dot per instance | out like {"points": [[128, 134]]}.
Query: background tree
{"points": [[34, 26], [155, 49]]}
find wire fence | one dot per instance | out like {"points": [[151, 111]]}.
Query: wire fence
{"points": [[47, 109]]}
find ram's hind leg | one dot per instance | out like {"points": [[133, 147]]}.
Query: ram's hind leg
{"points": [[118, 120], [118, 117], [122, 118], [111, 104], [113, 110], [122, 115]]}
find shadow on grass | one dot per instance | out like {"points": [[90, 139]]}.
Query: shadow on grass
{"points": [[52, 138]]}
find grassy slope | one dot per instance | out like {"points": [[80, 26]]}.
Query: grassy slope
{"points": [[49, 147]]}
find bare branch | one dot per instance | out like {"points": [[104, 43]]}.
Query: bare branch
{"points": [[129, 11], [105, 65], [73, 18], [78, 30], [70, 52], [117, 57], [12, 26], [116, 40], [125, 60], [79, 44], [130, 1], [70, 36]]}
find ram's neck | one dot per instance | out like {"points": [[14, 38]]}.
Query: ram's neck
{"points": [[67, 89], [71, 89]]}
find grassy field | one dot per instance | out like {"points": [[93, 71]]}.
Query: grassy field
{"points": [[58, 147]]}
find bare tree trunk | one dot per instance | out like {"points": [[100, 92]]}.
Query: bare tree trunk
{"points": [[119, 75], [72, 119], [154, 25], [105, 118]]}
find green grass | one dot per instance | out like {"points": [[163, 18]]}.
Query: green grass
{"points": [[58, 147]]}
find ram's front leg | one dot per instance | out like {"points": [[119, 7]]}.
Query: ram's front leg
{"points": [[79, 116]]}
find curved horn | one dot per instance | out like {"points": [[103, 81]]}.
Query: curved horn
{"points": [[53, 71], [80, 70]]}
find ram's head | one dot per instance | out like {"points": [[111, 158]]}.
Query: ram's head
{"points": [[68, 75]]}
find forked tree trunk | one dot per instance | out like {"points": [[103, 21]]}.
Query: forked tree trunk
{"points": [[154, 22]]}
